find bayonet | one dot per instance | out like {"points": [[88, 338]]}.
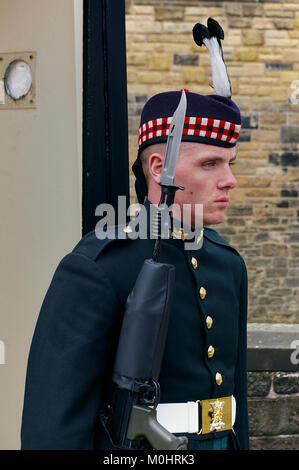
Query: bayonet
{"points": [[161, 226], [173, 143]]}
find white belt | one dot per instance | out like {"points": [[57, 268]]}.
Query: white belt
{"points": [[216, 415]]}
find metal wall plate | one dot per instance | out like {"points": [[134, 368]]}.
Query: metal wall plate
{"points": [[28, 101]]}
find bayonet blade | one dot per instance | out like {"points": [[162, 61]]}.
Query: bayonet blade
{"points": [[173, 142]]}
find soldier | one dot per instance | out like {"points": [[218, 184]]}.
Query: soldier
{"points": [[203, 374], [69, 370]]}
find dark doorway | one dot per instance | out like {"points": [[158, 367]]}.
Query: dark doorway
{"points": [[105, 121]]}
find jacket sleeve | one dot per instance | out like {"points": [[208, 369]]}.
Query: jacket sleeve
{"points": [[241, 424], [70, 356]]}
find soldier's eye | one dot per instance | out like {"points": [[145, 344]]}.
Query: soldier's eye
{"points": [[209, 164]]}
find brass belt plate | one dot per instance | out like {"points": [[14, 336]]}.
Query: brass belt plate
{"points": [[216, 414]]}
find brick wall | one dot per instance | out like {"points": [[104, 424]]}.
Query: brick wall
{"points": [[273, 403], [261, 52]]}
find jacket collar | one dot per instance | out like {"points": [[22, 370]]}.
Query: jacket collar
{"points": [[178, 238], [178, 235]]}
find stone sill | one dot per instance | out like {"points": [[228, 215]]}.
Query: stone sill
{"points": [[272, 347]]}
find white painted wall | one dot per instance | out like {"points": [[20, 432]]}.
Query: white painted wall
{"points": [[40, 182]]}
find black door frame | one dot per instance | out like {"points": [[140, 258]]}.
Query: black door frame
{"points": [[105, 173]]}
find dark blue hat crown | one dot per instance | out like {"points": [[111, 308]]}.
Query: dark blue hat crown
{"points": [[210, 119]]}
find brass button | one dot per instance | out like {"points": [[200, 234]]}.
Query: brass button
{"points": [[194, 262], [202, 293], [209, 322], [179, 234], [218, 378], [128, 229], [211, 351]]}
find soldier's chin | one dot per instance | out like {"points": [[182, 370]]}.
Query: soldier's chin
{"points": [[214, 218]]}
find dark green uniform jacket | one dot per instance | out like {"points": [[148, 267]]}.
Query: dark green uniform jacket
{"points": [[73, 347]]}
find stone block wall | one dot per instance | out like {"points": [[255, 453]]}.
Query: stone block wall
{"points": [[273, 404], [273, 386], [261, 52]]}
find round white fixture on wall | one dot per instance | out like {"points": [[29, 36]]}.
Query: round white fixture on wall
{"points": [[18, 79]]}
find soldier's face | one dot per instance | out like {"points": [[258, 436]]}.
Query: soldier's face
{"points": [[205, 172]]}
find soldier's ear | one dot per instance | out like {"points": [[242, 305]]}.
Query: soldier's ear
{"points": [[155, 166]]}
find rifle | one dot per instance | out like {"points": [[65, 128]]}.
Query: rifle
{"points": [[132, 412]]}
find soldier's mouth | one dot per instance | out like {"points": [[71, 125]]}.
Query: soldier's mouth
{"points": [[223, 202]]}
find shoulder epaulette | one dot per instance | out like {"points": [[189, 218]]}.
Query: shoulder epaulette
{"points": [[214, 237], [92, 245]]}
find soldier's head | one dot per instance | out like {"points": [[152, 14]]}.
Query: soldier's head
{"points": [[207, 151]]}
